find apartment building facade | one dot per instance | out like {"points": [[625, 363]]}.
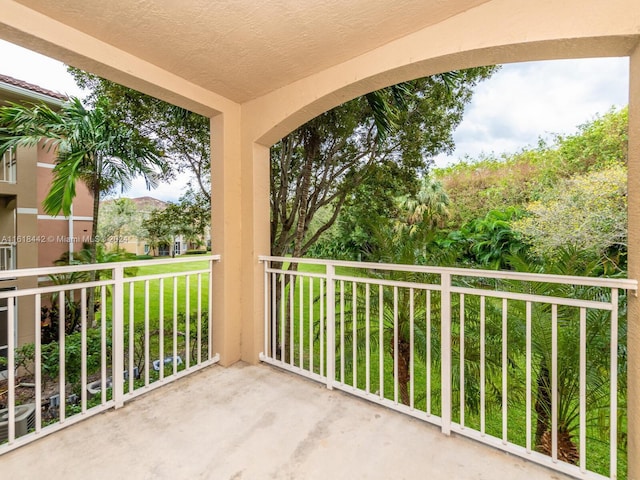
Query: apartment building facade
{"points": [[30, 238]]}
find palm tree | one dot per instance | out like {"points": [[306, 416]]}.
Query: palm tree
{"points": [[570, 261], [90, 147], [401, 242]]}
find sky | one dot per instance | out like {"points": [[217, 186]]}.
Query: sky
{"points": [[519, 104]]}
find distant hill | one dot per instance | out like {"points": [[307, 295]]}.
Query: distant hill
{"points": [[148, 203], [143, 204]]}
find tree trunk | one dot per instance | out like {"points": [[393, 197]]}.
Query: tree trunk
{"points": [[543, 403], [567, 450], [311, 149], [404, 367], [93, 251]]}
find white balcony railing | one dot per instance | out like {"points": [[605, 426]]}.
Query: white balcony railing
{"points": [[152, 325], [8, 167], [7, 256], [531, 364]]}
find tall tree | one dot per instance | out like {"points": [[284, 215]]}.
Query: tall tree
{"points": [[391, 132], [118, 218], [183, 135]]}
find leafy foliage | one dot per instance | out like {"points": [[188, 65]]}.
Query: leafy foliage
{"points": [[182, 135], [587, 212], [388, 134], [476, 187]]}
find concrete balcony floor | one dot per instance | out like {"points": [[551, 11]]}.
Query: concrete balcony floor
{"points": [[257, 422]]}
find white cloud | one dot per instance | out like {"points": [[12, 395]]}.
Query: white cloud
{"points": [[29, 66], [169, 192], [525, 101]]}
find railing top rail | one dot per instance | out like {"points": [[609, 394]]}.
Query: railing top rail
{"points": [[32, 272], [623, 283]]}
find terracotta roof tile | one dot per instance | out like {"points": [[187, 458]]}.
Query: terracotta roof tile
{"points": [[31, 87]]}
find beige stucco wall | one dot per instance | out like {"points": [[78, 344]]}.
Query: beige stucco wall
{"points": [[53, 232]]}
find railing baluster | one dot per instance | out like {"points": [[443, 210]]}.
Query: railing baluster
{"points": [[83, 350], [322, 303], [117, 351], [411, 349], [380, 340], [331, 327], [613, 416], [187, 322], [199, 320], [292, 281], [161, 330], [311, 349], [462, 394], [301, 323], [583, 390], [395, 345], [528, 375], [103, 345], [274, 317], [62, 379], [174, 360], [11, 368], [354, 328], [132, 326], [428, 348], [282, 319], [504, 371], [210, 353], [147, 340], [554, 382], [342, 359], [367, 319], [267, 309], [445, 333], [482, 365], [38, 359]]}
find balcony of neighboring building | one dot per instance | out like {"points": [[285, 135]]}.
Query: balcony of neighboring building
{"points": [[8, 167]]}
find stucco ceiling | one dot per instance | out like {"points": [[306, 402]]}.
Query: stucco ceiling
{"points": [[242, 49]]}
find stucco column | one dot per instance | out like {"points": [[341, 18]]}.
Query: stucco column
{"points": [[256, 241], [226, 233], [633, 332]]}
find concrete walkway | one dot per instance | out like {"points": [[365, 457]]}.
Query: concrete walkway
{"points": [[257, 422]]}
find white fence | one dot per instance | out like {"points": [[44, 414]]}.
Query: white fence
{"points": [[151, 325], [531, 364], [8, 167]]}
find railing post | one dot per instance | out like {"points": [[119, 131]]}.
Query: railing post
{"points": [[117, 325], [445, 361], [331, 326]]}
